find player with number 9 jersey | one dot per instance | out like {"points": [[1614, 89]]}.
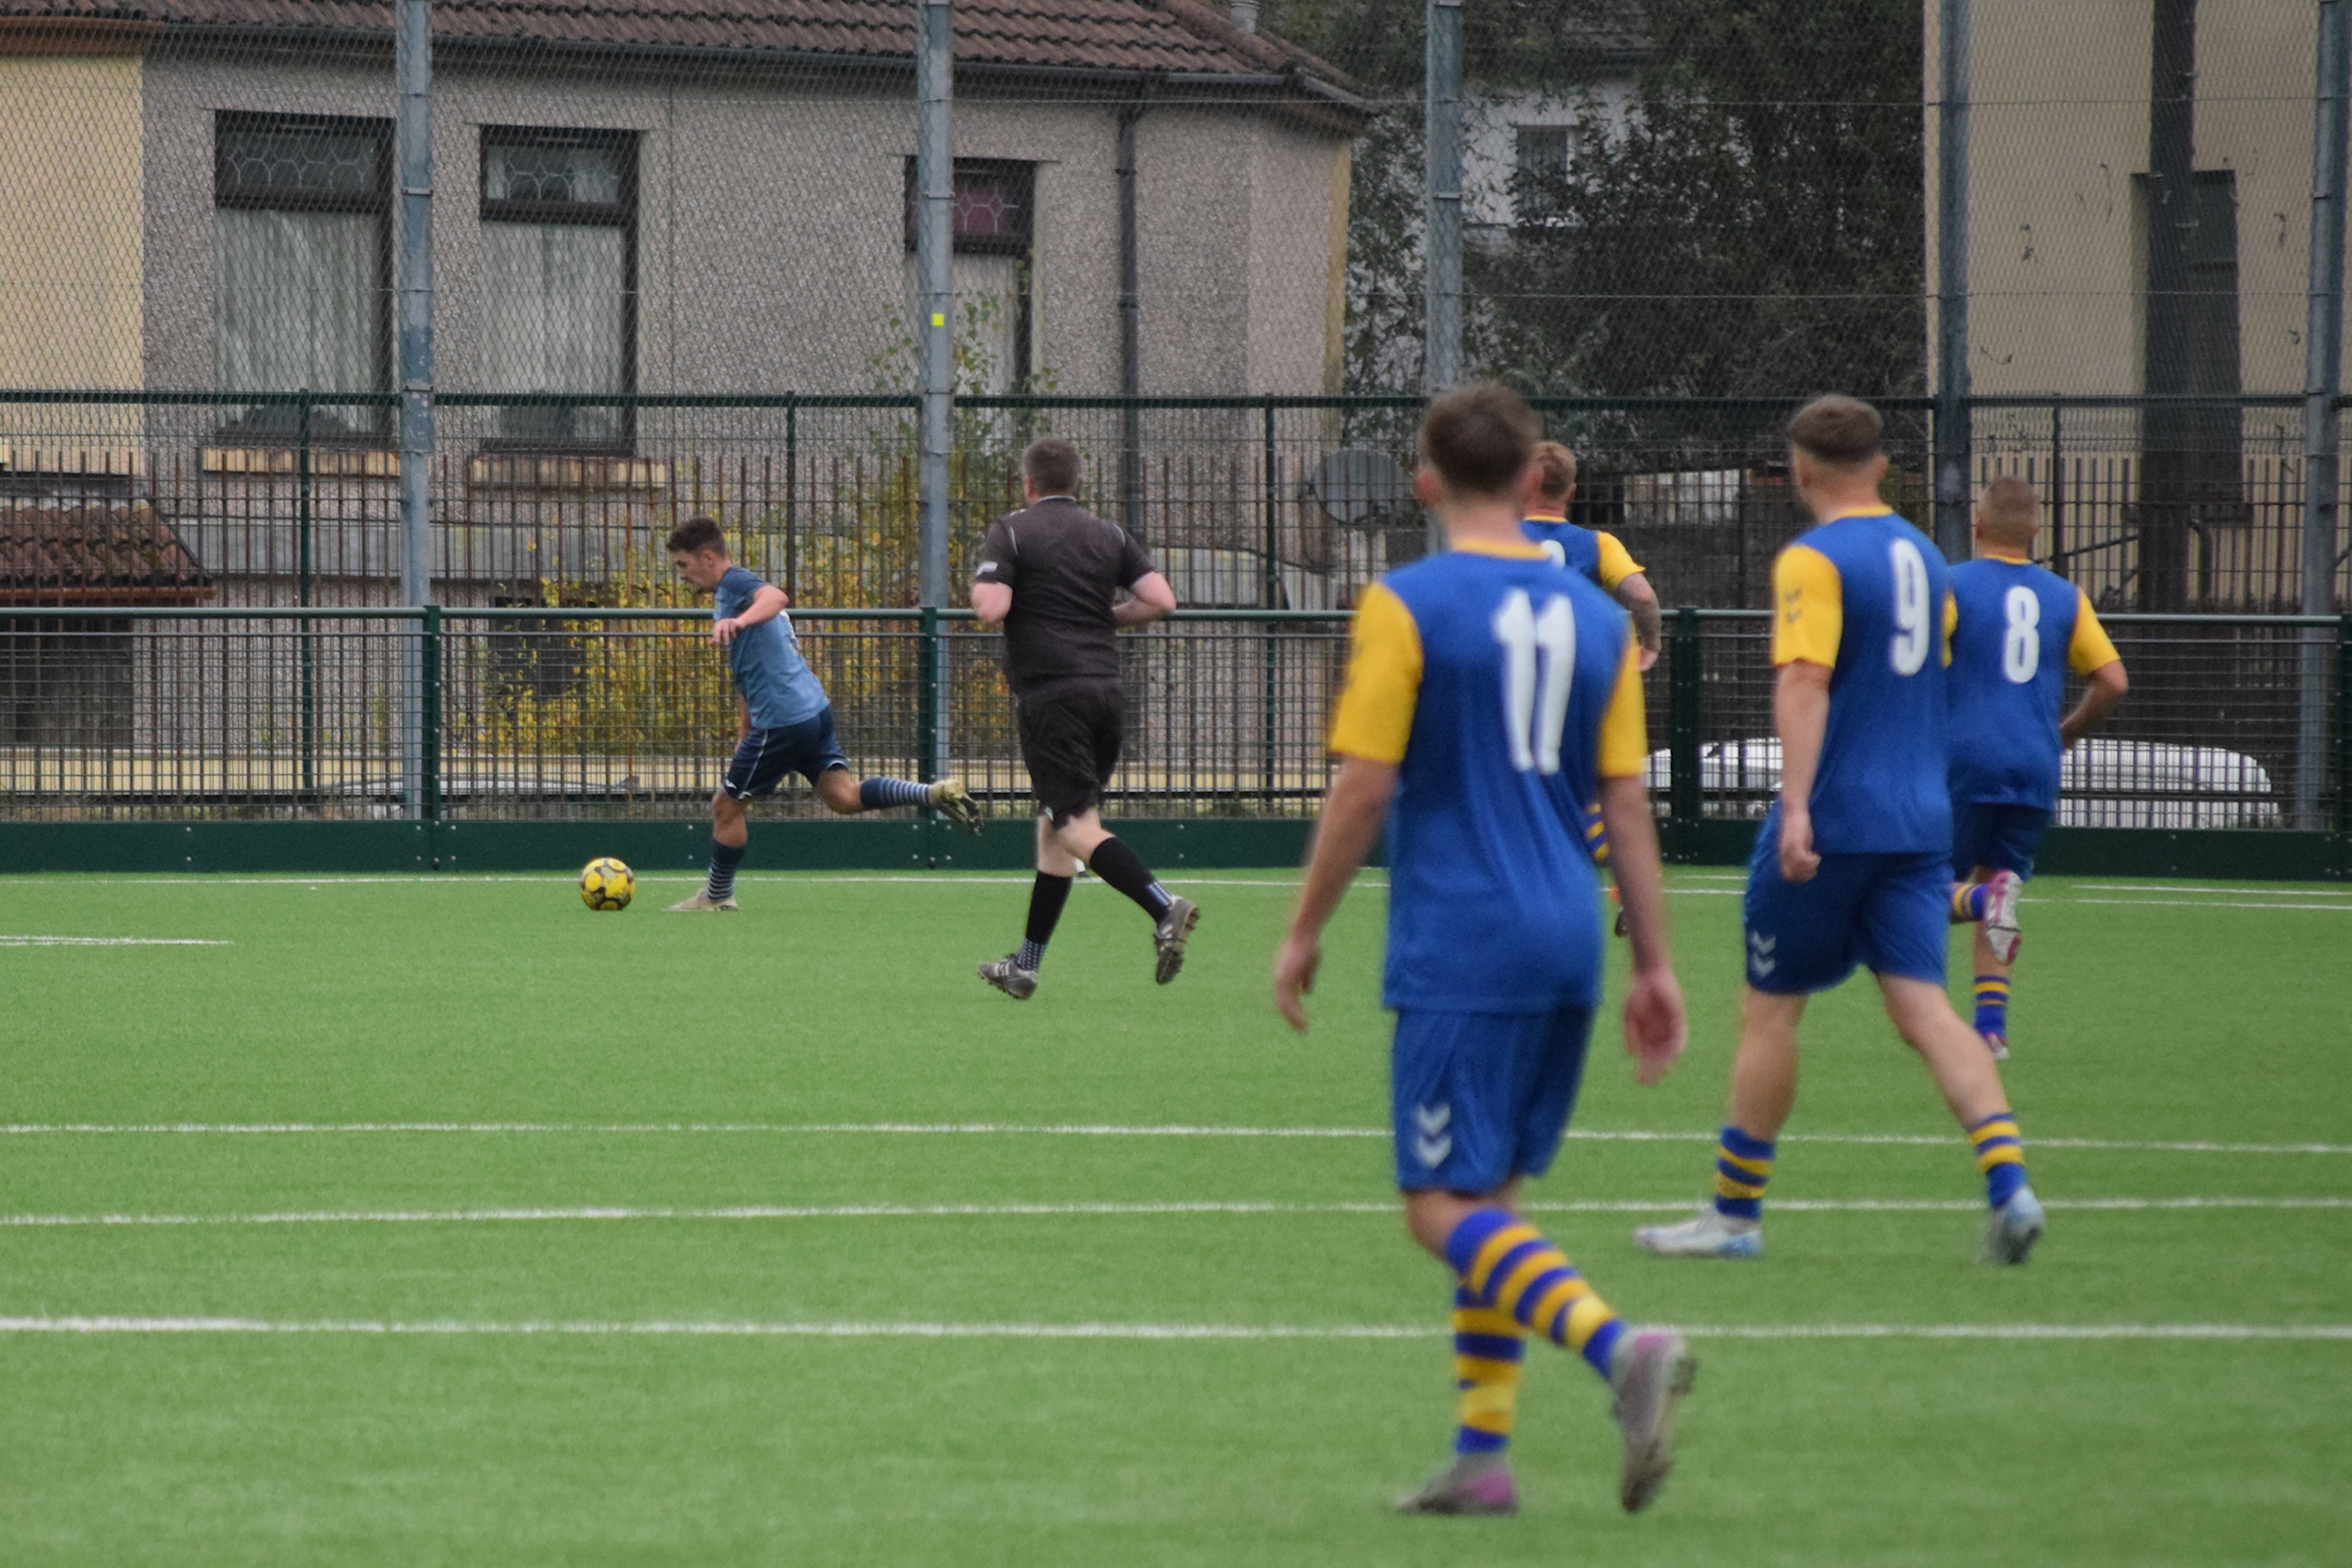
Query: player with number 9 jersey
{"points": [[1505, 687], [1865, 595]]}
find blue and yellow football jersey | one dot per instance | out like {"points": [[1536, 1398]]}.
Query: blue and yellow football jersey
{"points": [[1505, 689], [1595, 556], [1867, 595], [2021, 630]]}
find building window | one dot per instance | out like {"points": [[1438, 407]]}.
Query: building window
{"points": [[1539, 172], [995, 257], [302, 262], [559, 279]]}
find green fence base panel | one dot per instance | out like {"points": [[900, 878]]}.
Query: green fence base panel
{"points": [[904, 845], [880, 845], [2255, 854]]}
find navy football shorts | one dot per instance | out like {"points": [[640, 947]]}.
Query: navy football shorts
{"points": [[765, 756], [1996, 835], [1890, 913], [1480, 1098]]}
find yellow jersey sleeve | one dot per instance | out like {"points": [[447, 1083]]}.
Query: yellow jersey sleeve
{"points": [[1624, 727], [1951, 623], [2091, 649], [1616, 561], [1810, 607], [1375, 717]]}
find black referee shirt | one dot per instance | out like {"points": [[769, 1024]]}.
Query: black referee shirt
{"points": [[1062, 564]]}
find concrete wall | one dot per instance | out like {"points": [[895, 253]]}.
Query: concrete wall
{"points": [[70, 251], [2059, 127], [770, 239]]}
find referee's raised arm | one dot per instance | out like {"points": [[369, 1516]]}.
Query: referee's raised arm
{"points": [[1051, 575]]}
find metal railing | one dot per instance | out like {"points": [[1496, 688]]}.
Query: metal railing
{"points": [[292, 498], [113, 712]]}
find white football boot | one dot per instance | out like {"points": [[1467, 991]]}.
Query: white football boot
{"points": [[2000, 914], [2015, 1226], [701, 903], [1706, 1234]]}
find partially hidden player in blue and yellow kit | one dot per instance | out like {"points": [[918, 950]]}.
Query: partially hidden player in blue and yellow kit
{"points": [[1596, 556], [1491, 695], [1851, 864], [2021, 630]]}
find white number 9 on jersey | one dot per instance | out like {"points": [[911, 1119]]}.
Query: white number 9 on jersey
{"points": [[1536, 735], [1907, 650]]}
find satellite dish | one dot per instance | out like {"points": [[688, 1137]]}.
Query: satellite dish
{"points": [[1360, 487]]}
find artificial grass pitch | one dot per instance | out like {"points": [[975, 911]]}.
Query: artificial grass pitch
{"points": [[555, 1149]]}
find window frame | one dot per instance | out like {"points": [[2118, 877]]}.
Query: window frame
{"points": [[621, 215], [1021, 172], [226, 122]]}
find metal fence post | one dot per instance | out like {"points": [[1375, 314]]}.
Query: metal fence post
{"points": [[1684, 803], [413, 68], [2322, 370], [306, 654], [929, 660], [793, 497], [935, 179], [1269, 596], [429, 712], [2344, 724], [1952, 430], [1441, 129]]}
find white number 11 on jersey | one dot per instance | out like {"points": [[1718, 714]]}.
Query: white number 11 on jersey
{"points": [[1536, 737]]}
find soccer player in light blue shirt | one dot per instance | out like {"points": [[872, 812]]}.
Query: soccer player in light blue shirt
{"points": [[1490, 694], [1851, 864], [2021, 630], [785, 720]]}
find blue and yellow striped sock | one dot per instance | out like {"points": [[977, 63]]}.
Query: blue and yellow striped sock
{"points": [[1968, 903], [2000, 1155], [1488, 1349], [1506, 1264], [1743, 1165], [1992, 1003]]}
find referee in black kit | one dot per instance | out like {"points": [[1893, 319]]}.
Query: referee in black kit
{"points": [[1048, 574]]}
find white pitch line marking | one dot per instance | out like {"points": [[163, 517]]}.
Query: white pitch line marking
{"points": [[110, 941], [1073, 1129], [606, 1214], [726, 1329], [2205, 904], [2178, 890]]}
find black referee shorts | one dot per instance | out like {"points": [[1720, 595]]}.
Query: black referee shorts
{"points": [[1069, 736]]}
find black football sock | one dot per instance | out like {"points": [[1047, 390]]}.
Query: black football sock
{"points": [[1045, 901], [1124, 870]]}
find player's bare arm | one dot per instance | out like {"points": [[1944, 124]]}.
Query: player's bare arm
{"points": [[1655, 1026], [991, 602], [2108, 684], [1353, 814], [766, 606], [1801, 717], [1149, 598], [1640, 602]]}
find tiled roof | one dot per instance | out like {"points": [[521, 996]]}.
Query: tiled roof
{"points": [[95, 554], [1177, 37]]}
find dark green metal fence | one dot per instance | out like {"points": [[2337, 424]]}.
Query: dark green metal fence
{"points": [[114, 713]]}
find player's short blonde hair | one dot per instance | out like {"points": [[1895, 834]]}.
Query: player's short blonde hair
{"points": [[2010, 512], [1555, 471]]}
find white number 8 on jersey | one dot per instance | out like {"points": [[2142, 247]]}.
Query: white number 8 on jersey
{"points": [[1907, 650], [2021, 645]]}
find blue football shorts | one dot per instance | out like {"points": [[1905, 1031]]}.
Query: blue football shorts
{"points": [[1996, 835], [1889, 912], [1480, 1098], [765, 756]]}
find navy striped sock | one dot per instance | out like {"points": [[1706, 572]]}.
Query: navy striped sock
{"points": [[880, 794], [725, 858]]}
